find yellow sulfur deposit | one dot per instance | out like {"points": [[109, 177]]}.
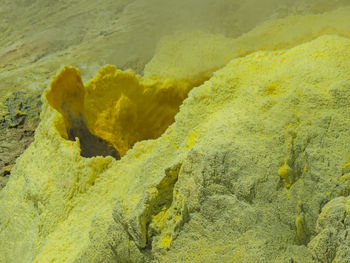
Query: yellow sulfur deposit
{"points": [[119, 107], [233, 152]]}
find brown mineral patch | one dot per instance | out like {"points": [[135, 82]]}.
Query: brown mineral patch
{"points": [[17, 128]]}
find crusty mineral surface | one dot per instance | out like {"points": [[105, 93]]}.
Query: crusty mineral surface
{"points": [[226, 149], [37, 37]]}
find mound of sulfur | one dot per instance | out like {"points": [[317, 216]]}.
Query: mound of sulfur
{"points": [[253, 168], [118, 107]]}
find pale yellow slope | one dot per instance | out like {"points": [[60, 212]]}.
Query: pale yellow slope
{"points": [[271, 108], [189, 55], [208, 189]]}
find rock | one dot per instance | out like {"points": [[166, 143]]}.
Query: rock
{"points": [[250, 166], [17, 128]]}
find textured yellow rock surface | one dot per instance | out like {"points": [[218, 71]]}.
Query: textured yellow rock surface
{"points": [[37, 38], [119, 107], [255, 167]]}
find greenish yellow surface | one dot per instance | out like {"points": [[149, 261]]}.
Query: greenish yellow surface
{"points": [[254, 168], [119, 107], [38, 37]]}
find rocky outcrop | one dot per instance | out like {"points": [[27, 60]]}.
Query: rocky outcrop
{"points": [[17, 128], [251, 165]]}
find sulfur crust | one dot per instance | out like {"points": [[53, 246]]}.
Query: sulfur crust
{"points": [[280, 85], [119, 107]]}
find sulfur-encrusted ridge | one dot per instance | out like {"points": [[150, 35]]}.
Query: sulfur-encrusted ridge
{"points": [[252, 165]]}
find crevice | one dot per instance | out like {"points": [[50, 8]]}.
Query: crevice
{"points": [[160, 213], [90, 144], [161, 204], [116, 109]]}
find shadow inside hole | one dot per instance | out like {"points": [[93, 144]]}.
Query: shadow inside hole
{"points": [[90, 145]]}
